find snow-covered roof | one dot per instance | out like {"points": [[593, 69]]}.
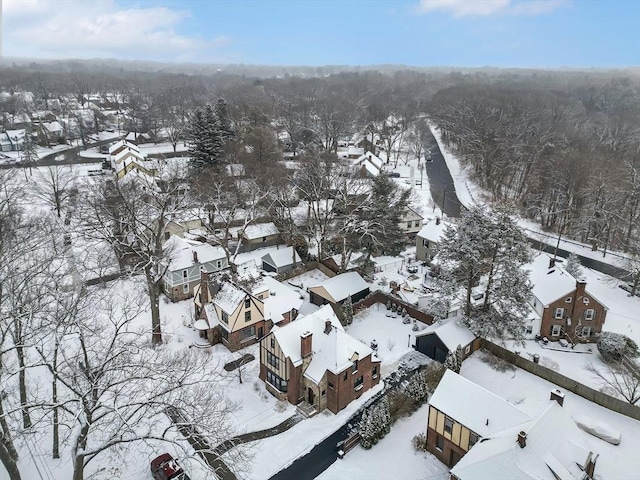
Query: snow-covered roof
{"points": [[123, 143], [450, 332], [52, 126], [181, 251], [288, 337], [253, 232], [474, 407], [334, 352], [281, 257], [433, 230], [129, 152], [554, 448], [229, 297], [343, 285], [282, 299], [16, 135], [549, 284]]}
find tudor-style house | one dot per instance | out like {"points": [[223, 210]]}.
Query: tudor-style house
{"points": [[314, 360], [184, 261], [564, 308]]}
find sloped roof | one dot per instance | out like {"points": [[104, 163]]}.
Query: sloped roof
{"points": [[554, 448], [450, 332], [229, 297], [474, 407], [549, 284], [123, 143], [281, 257], [344, 285], [260, 230], [181, 252], [432, 230], [281, 300]]}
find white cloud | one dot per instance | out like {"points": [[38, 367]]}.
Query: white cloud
{"points": [[461, 8], [72, 29]]}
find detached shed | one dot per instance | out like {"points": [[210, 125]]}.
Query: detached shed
{"points": [[437, 340], [336, 290], [281, 261]]}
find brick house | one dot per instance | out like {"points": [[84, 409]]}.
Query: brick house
{"points": [[314, 360], [564, 306]]}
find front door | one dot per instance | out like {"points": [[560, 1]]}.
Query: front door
{"points": [[311, 396]]}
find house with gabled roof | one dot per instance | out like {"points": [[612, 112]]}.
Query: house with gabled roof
{"points": [[428, 238], [259, 235], [313, 360], [281, 261], [126, 157], [564, 307], [411, 222], [443, 337], [183, 263], [337, 289]]}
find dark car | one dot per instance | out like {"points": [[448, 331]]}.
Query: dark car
{"points": [[165, 467], [393, 174]]}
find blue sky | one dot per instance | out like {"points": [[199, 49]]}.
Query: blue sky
{"points": [[501, 33]]}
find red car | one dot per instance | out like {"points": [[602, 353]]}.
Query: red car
{"points": [[165, 467]]}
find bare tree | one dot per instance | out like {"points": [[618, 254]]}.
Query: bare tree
{"points": [[55, 186], [618, 380]]}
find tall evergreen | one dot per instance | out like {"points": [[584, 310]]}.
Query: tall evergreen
{"points": [[204, 138], [224, 120]]}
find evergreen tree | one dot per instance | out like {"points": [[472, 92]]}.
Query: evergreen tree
{"points": [[365, 430], [451, 362], [347, 309], [204, 138], [573, 266], [224, 121]]}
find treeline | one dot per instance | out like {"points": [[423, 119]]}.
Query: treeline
{"points": [[566, 151]]}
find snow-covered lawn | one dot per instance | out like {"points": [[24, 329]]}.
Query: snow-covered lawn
{"points": [[393, 457], [166, 147], [531, 394]]}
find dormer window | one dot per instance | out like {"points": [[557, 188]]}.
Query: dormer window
{"points": [[585, 300]]}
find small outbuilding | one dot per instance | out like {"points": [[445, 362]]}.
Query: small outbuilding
{"points": [[437, 340], [281, 261], [337, 289]]}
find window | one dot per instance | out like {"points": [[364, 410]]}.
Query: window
{"points": [[558, 313], [345, 375], [590, 314], [555, 330], [185, 288], [439, 442], [247, 303], [324, 393], [184, 274], [273, 342], [425, 243], [568, 300], [225, 318], [219, 264], [167, 235], [528, 329], [331, 385], [585, 300], [276, 381], [264, 239], [586, 332], [354, 367], [467, 350], [247, 316], [473, 439], [247, 333], [273, 360], [409, 224], [374, 372], [358, 384], [417, 224], [448, 425], [225, 334]]}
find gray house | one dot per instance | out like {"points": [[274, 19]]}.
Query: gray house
{"points": [[281, 261], [185, 261], [428, 237]]}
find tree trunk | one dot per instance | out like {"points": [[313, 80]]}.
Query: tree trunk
{"points": [[54, 399], [9, 462], [22, 380], [78, 452], [154, 299], [6, 442]]}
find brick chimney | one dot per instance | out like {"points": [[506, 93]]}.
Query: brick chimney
{"points": [[195, 256], [552, 263], [581, 285], [522, 439], [204, 286], [557, 395], [327, 327], [437, 220], [305, 344]]}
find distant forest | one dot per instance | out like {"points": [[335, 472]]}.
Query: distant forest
{"points": [[563, 147]]}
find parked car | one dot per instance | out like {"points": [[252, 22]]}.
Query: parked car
{"points": [[393, 174], [165, 467], [629, 288]]}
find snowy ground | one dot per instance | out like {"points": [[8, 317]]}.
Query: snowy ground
{"points": [[531, 394], [393, 457]]}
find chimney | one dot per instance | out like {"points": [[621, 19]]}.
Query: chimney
{"points": [[590, 467], [327, 327], [581, 285], [195, 256], [552, 263], [558, 396], [522, 439], [305, 344], [437, 220], [204, 286]]}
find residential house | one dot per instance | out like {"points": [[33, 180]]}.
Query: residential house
{"points": [[443, 337], [126, 157], [428, 237], [337, 289], [185, 260], [50, 132], [141, 137], [350, 152], [462, 413], [259, 235], [565, 308], [314, 360], [180, 225], [281, 261], [233, 310], [5, 143], [283, 304], [411, 222], [549, 447], [368, 165], [16, 139]]}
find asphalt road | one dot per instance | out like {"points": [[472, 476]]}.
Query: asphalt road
{"points": [[443, 190]]}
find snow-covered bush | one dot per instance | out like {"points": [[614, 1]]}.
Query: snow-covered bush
{"points": [[375, 423], [420, 443], [347, 310], [613, 346], [573, 265], [452, 362]]}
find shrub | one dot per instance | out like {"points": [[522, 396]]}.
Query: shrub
{"points": [[613, 346], [420, 442]]}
